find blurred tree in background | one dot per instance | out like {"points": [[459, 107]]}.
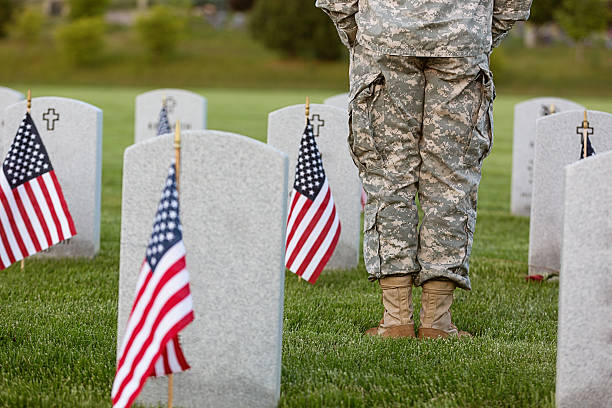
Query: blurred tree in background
{"points": [[241, 5], [296, 28], [581, 18], [7, 8], [542, 11], [82, 40], [28, 24], [160, 30], [87, 8]]}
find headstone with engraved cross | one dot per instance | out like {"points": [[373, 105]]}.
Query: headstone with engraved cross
{"points": [[525, 115], [330, 125], [72, 133], [559, 142], [188, 107], [7, 97]]}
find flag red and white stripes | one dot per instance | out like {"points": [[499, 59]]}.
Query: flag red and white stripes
{"points": [[162, 307], [33, 212], [313, 226]]}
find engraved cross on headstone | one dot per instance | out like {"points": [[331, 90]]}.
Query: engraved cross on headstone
{"points": [[317, 123], [171, 104], [51, 117], [585, 131]]}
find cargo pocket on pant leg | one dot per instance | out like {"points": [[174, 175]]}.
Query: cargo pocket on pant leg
{"points": [[481, 138], [361, 141]]}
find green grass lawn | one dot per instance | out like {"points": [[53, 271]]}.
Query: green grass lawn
{"points": [[58, 318]]}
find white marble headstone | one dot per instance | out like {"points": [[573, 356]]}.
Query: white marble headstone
{"points": [[557, 145], [584, 347], [330, 124], [72, 133], [188, 107], [8, 97], [233, 209], [340, 101], [525, 115]]}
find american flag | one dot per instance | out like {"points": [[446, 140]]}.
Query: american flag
{"points": [[33, 214], [163, 125], [589, 148], [313, 226], [162, 308]]}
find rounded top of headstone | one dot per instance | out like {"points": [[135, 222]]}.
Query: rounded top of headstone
{"points": [[598, 163], [549, 100], [169, 91], [46, 100], [340, 100], [11, 92], [313, 106], [565, 125], [573, 116], [213, 139]]}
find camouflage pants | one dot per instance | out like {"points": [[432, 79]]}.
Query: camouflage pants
{"points": [[419, 125]]}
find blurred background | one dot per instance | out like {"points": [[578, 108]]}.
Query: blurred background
{"points": [[565, 49]]}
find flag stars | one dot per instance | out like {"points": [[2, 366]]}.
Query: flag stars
{"points": [[309, 169], [166, 228]]}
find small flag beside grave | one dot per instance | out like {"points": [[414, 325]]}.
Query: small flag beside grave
{"points": [[34, 214], [162, 307], [313, 226], [163, 125]]}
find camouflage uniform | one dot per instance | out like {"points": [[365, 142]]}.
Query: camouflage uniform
{"points": [[421, 97]]}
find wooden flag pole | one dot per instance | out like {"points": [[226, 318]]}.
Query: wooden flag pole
{"points": [[307, 112], [29, 111], [177, 167], [170, 389], [177, 152], [585, 132]]}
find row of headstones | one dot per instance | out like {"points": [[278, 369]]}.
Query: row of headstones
{"points": [[234, 193], [568, 200], [584, 346], [73, 129], [548, 135]]}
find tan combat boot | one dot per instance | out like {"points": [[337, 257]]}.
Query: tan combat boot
{"points": [[397, 300], [436, 301]]}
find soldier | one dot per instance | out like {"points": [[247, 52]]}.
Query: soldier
{"points": [[420, 114]]}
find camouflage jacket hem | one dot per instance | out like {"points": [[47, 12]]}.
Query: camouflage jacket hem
{"points": [[435, 51]]}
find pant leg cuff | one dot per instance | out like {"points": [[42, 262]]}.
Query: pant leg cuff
{"points": [[462, 282], [380, 275]]}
